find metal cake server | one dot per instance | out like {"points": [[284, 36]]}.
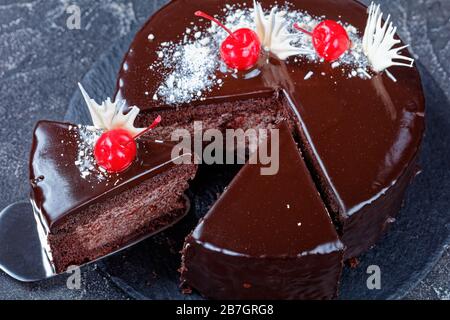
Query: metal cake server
{"points": [[21, 253]]}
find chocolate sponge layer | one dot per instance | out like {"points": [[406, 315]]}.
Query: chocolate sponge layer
{"points": [[113, 223]]}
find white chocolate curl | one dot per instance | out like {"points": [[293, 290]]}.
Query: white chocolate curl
{"points": [[379, 42], [273, 33], [110, 115]]}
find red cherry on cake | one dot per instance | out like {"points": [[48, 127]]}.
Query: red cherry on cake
{"points": [[241, 49], [116, 149], [329, 38]]}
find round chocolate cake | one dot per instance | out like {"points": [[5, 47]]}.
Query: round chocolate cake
{"points": [[357, 119]]}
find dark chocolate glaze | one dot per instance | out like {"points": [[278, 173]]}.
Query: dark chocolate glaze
{"points": [[263, 231], [57, 188], [361, 136]]}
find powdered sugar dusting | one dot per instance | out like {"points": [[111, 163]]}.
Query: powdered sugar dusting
{"points": [[192, 73], [192, 63], [309, 75], [86, 137], [192, 66]]}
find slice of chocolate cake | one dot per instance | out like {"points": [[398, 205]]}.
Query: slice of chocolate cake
{"points": [[267, 237], [86, 212], [96, 189]]}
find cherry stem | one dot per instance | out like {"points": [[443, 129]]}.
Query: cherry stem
{"points": [[151, 127], [297, 26], [207, 16]]}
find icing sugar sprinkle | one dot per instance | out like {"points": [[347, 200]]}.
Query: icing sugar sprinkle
{"points": [[86, 137], [192, 66], [309, 75], [192, 72]]}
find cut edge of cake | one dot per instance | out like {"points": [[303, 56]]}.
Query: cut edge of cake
{"points": [[207, 266]]}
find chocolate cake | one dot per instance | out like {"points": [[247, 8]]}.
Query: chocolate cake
{"points": [[337, 77], [84, 212], [267, 237], [359, 119]]}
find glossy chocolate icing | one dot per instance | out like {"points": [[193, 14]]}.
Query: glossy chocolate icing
{"points": [[262, 219], [361, 136], [58, 188]]}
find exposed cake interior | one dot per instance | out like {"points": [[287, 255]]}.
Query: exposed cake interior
{"points": [[264, 113], [261, 113], [108, 225]]}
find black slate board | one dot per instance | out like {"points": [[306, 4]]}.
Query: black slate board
{"points": [[405, 255]]}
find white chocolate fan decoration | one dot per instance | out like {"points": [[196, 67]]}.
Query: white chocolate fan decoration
{"points": [[379, 43], [110, 115], [273, 33]]}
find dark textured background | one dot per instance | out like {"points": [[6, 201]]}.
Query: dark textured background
{"points": [[41, 61]]}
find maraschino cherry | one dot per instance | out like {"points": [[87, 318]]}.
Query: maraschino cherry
{"points": [[241, 49], [329, 38], [116, 149]]}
